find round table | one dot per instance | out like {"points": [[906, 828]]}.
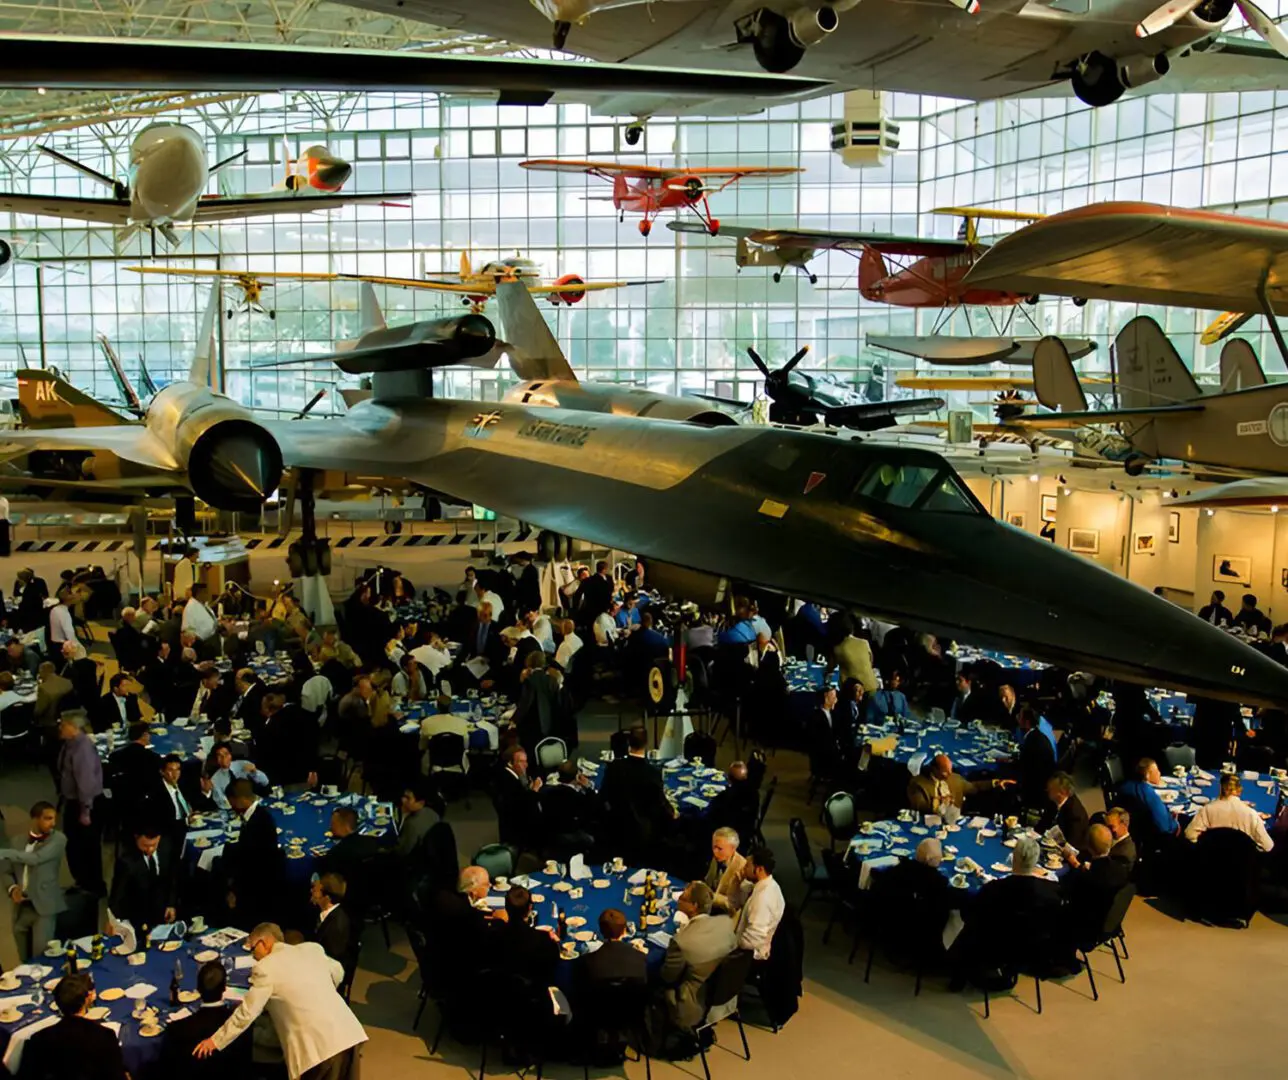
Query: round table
{"points": [[490, 708], [973, 749], [690, 786], [170, 738], [987, 847], [1262, 793], [1019, 671], [141, 1054]]}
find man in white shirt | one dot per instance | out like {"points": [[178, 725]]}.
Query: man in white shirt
{"points": [[433, 657], [485, 595], [542, 629], [177, 812], [197, 617], [605, 625], [762, 906], [1230, 812], [569, 646], [319, 1034], [315, 693], [226, 770], [186, 574], [60, 622]]}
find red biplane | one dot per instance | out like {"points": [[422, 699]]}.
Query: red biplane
{"points": [[650, 189]]}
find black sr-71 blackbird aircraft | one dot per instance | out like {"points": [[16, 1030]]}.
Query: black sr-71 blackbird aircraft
{"points": [[844, 522]]}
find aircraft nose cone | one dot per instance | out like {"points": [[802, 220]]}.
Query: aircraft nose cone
{"points": [[244, 468], [332, 175]]}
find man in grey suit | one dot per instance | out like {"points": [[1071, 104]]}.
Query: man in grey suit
{"points": [[30, 876], [694, 954]]}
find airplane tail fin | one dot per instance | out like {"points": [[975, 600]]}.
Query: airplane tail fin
{"points": [[202, 371], [872, 271], [145, 378], [46, 401], [1150, 370], [466, 267], [1054, 380], [128, 394], [373, 318], [533, 349], [1240, 368]]}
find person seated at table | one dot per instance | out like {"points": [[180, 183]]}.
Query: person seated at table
{"points": [[221, 771], [614, 961], [287, 743], [515, 797], [762, 904], [182, 1036], [515, 948], [1142, 792], [1009, 704], [737, 806], [826, 731], [410, 682], [605, 628], [1092, 883], [118, 706], [628, 615], [937, 787], [1228, 811], [571, 813], [145, 881], [1250, 618], [639, 814], [251, 867], [724, 874], [75, 1048], [847, 713], [1070, 815], [332, 648], [169, 806], [1118, 821], [207, 696], [888, 701], [351, 851], [19, 660], [968, 706], [1021, 900], [333, 929], [919, 877], [695, 951], [1215, 611], [443, 721]]}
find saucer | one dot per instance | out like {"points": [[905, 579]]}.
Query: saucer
{"points": [[202, 958], [112, 993], [601, 883], [576, 921], [149, 1032], [186, 996], [170, 946], [584, 935], [99, 1012], [9, 982]]}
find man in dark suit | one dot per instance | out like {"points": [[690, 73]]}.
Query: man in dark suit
{"points": [[182, 1036], [613, 960], [287, 743], [516, 948], [117, 706], [250, 695], [1215, 611], [969, 705], [518, 809], [212, 699], [638, 811], [594, 595], [351, 850], [75, 1048], [1071, 816], [333, 930], [737, 807], [1124, 847], [484, 639], [145, 882], [458, 931], [1090, 886], [132, 772], [1037, 758], [251, 867], [570, 811], [128, 641]]}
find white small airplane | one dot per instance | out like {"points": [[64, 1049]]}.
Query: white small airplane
{"points": [[167, 182]]}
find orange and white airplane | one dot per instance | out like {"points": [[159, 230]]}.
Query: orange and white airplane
{"points": [[477, 287], [656, 188]]}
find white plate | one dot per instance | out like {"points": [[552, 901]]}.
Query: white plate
{"points": [[204, 957], [538, 898], [111, 993], [561, 886], [576, 921], [601, 883], [99, 1012], [584, 935], [185, 996], [150, 1032], [171, 946]]}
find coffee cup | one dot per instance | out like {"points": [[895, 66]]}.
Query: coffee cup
{"points": [[619, 864], [198, 924], [330, 789], [552, 867], [502, 882], [10, 1015], [8, 981], [1012, 821], [53, 944]]}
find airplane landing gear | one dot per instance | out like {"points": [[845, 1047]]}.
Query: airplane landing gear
{"points": [[646, 227], [1079, 301], [1031, 300], [813, 279], [272, 313], [1134, 465], [713, 226], [561, 34], [777, 277], [633, 134]]}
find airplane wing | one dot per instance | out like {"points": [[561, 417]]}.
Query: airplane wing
{"points": [[207, 272], [967, 351], [1106, 416], [587, 286], [715, 399], [964, 382], [100, 211], [824, 240], [875, 415], [610, 169], [1257, 491], [220, 208], [1143, 253], [132, 442], [479, 288]]}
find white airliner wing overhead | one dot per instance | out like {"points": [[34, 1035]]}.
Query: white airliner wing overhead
{"points": [[100, 211], [212, 208]]}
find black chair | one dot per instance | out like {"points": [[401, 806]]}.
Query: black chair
{"points": [[611, 1020], [18, 731], [700, 745], [619, 743], [1025, 949], [520, 1019], [907, 918], [814, 876], [722, 991], [1178, 754], [1111, 775], [446, 752], [1109, 933], [496, 859], [823, 766], [758, 833], [434, 983], [1226, 878], [850, 901], [757, 766], [840, 816]]}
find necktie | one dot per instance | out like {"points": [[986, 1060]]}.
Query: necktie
{"points": [[482, 636], [180, 806], [152, 865]]}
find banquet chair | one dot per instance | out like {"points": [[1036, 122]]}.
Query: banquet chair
{"points": [[610, 1019], [840, 816], [1111, 774], [1109, 933], [1024, 950], [550, 752], [849, 900], [520, 1019], [1178, 754], [1225, 878], [446, 754], [698, 744], [722, 991], [17, 730], [758, 832], [496, 859], [907, 918], [433, 983], [814, 876]]}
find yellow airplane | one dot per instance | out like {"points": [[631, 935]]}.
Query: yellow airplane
{"points": [[252, 283], [984, 382], [476, 287], [1223, 326]]}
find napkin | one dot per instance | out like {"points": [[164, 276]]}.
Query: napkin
{"points": [[139, 991], [209, 856], [14, 1001], [219, 939], [493, 735], [637, 878], [977, 823], [1250, 774], [694, 800], [182, 1014], [13, 1055], [660, 938], [494, 901], [33, 971], [881, 862], [577, 869], [932, 820], [916, 762], [161, 933], [243, 962]]}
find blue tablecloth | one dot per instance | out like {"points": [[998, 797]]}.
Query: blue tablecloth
{"points": [[804, 675], [304, 817], [972, 749], [141, 1054], [1259, 792], [166, 739], [487, 708], [617, 894], [960, 842], [270, 669], [689, 787], [1017, 670]]}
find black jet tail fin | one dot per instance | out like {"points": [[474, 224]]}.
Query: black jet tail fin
{"points": [[128, 394], [1054, 380], [46, 401], [1240, 368], [533, 349], [1150, 370]]}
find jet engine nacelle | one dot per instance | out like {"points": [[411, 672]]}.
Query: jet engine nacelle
{"points": [[1141, 70], [572, 296], [420, 345], [231, 461], [618, 400], [6, 258], [1211, 15], [780, 41]]}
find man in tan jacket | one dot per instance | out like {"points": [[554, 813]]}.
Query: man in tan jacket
{"points": [[938, 785], [724, 875], [853, 655], [693, 956]]}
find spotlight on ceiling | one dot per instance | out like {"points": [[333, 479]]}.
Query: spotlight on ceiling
{"points": [[1033, 478]]}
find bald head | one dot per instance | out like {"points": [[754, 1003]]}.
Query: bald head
{"points": [[941, 767], [738, 771], [1099, 840]]}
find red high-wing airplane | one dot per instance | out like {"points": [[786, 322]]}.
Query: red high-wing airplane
{"points": [[659, 188]]}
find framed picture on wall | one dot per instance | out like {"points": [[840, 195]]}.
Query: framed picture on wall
{"points": [[1016, 518], [1174, 527], [1048, 507], [1145, 544], [1231, 570], [1085, 541]]}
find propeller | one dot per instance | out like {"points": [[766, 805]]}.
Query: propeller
{"points": [[776, 381], [312, 401], [1009, 404], [1172, 12]]}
